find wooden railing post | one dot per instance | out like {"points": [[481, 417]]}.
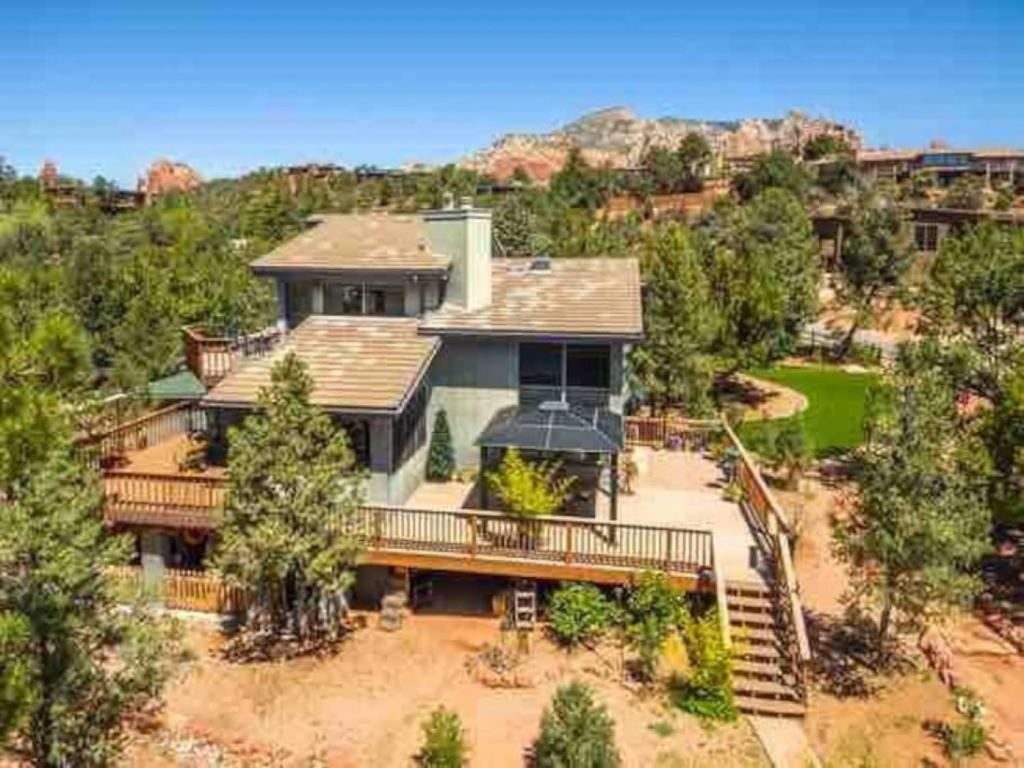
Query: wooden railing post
{"points": [[472, 535], [568, 542], [668, 548]]}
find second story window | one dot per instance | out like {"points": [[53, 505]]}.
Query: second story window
{"points": [[300, 302], [341, 299], [587, 366], [564, 368], [926, 237]]}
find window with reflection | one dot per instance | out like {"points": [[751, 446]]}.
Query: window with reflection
{"points": [[540, 365], [385, 300], [588, 365], [300, 301], [342, 299]]}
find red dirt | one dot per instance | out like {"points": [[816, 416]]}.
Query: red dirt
{"points": [[364, 705]]}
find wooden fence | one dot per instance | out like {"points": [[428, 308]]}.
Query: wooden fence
{"points": [[661, 431], [179, 589], [149, 429]]}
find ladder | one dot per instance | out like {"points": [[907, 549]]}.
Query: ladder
{"points": [[524, 605]]}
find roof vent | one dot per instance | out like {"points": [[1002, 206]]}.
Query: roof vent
{"points": [[541, 264]]}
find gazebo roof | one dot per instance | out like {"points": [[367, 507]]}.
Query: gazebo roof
{"points": [[554, 426]]}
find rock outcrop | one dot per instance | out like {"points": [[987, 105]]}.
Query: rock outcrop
{"points": [[165, 176], [618, 138]]}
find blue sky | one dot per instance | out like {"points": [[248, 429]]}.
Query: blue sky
{"points": [[106, 87]]}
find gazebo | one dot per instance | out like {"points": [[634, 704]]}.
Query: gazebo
{"points": [[556, 427]]}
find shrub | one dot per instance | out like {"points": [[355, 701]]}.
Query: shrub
{"points": [[707, 691], [963, 741], [441, 459], [578, 613], [528, 488], [444, 741], [653, 609], [787, 446], [576, 732]]}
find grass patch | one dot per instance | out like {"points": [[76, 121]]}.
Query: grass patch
{"points": [[835, 405]]}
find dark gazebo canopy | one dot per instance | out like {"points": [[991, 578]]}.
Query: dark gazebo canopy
{"points": [[554, 426]]}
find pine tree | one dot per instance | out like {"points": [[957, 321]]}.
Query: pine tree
{"points": [[441, 459], [576, 732], [286, 533], [71, 660]]}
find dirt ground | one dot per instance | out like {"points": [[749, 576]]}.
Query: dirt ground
{"points": [[768, 400], [364, 705], [857, 719]]}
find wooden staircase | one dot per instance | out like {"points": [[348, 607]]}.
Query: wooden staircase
{"points": [[764, 679]]}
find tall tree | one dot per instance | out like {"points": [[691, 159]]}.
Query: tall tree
{"points": [[975, 294], [287, 532], [674, 364], [764, 270], [919, 522], [772, 170], [876, 256], [89, 664]]}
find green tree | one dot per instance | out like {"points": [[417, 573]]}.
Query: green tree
{"points": [[919, 522], [694, 155], [764, 270], [875, 259], [580, 186], [441, 458], [16, 693], [286, 533], [674, 364], [444, 741], [826, 145], [975, 293], [707, 691], [515, 227], [774, 170], [576, 732], [89, 663], [967, 193], [529, 489], [653, 610], [1003, 432]]}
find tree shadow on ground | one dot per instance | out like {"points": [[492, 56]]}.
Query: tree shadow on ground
{"points": [[844, 661]]}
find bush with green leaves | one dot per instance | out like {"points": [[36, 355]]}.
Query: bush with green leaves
{"points": [[964, 741], [576, 732], [579, 613], [529, 488], [441, 458], [707, 690], [654, 608], [444, 741]]}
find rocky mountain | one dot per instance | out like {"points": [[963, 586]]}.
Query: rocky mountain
{"points": [[166, 176], [618, 138]]}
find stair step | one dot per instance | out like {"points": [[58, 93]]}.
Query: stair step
{"points": [[752, 705], [751, 618], [744, 603], [754, 635], [773, 689], [757, 652], [756, 668], [746, 589]]}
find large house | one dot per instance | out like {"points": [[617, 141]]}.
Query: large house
{"points": [[399, 316]]}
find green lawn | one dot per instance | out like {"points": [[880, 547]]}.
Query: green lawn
{"points": [[835, 409]]}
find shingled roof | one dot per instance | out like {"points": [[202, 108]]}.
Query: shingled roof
{"points": [[369, 242], [597, 298], [357, 363]]}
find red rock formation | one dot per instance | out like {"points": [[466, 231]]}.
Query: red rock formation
{"points": [[165, 176], [48, 175]]}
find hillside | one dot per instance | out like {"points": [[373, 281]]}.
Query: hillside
{"points": [[618, 138]]}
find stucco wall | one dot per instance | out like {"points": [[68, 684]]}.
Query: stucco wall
{"points": [[472, 379]]}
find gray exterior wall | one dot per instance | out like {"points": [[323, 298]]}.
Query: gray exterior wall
{"points": [[472, 379]]}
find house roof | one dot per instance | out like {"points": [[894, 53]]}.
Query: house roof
{"points": [[182, 385], [357, 363], [369, 242], [574, 297]]}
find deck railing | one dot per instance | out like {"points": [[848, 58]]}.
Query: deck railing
{"points": [[568, 540], [211, 358], [163, 500], [146, 430]]}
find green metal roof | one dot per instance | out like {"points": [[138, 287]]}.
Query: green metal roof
{"points": [[179, 386]]}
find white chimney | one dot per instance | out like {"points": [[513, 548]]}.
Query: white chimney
{"points": [[464, 234]]}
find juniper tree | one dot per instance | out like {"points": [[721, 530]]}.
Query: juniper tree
{"points": [[441, 458], [576, 732], [288, 532]]}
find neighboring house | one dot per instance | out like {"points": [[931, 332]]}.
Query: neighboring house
{"points": [[946, 165], [398, 316]]}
